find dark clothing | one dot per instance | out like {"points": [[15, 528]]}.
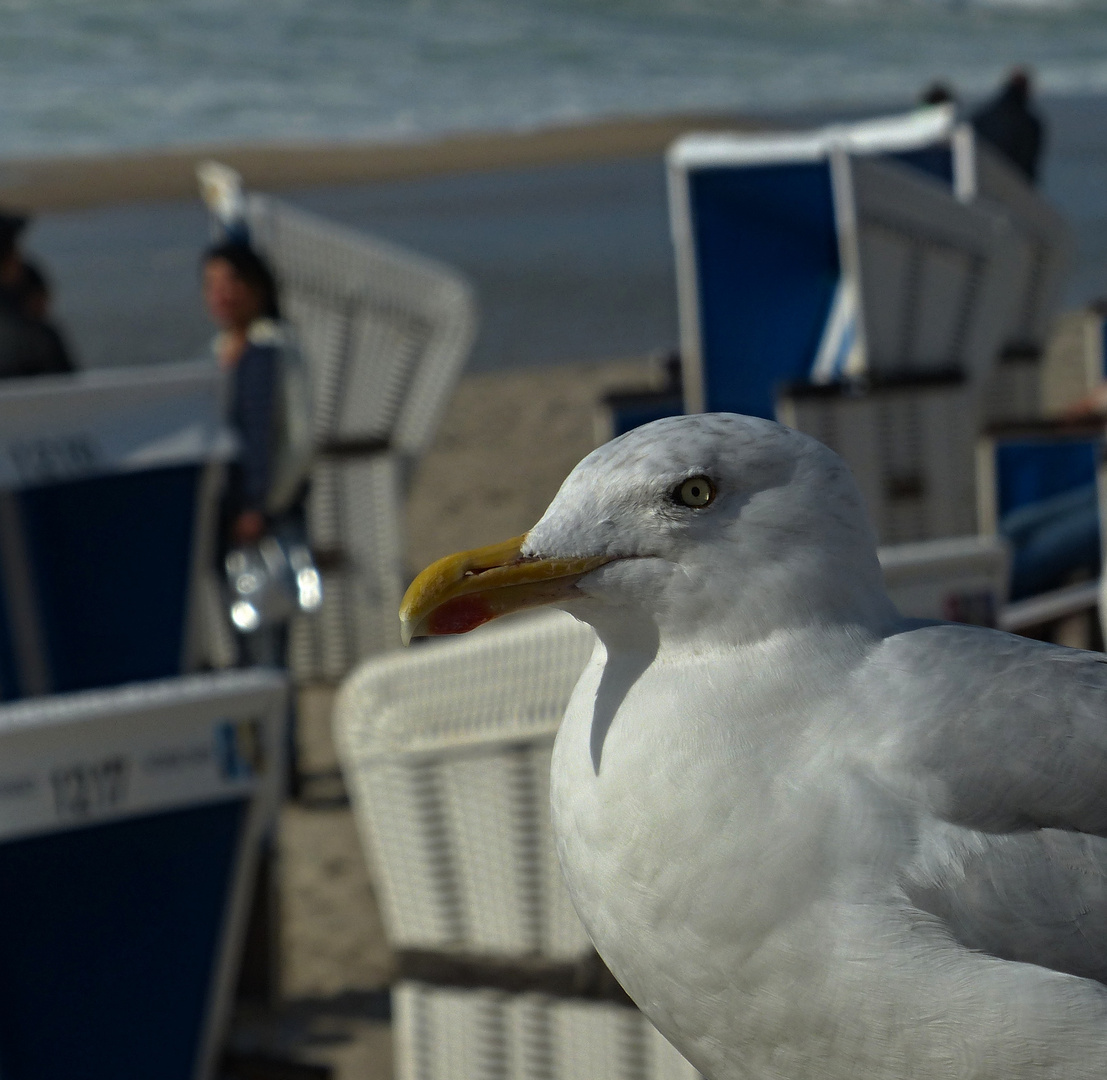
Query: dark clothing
{"points": [[28, 346], [253, 399], [1008, 124]]}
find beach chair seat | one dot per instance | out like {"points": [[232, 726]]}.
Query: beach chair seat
{"points": [[446, 750], [819, 256], [130, 825], [959, 579], [911, 446], [109, 483]]}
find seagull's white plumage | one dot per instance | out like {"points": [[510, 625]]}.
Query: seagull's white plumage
{"points": [[811, 839]]}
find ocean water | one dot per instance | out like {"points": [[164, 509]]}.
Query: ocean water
{"points": [[96, 75]]}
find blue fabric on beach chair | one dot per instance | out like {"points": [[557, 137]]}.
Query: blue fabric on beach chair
{"points": [[130, 828], [119, 547], [108, 483], [769, 306], [1047, 506]]}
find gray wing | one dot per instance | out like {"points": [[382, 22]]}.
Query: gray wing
{"points": [[1039, 897], [1001, 733], [1006, 739]]}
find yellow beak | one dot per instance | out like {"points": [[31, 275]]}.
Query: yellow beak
{"points": [[460, 592]]}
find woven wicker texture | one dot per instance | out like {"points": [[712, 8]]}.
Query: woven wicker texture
{"points": [[1043, 229], [354, 525], [446, 753], [384, 331], [385, 334], [939, 278], [912, 450], [1013, 392], [451, 1034]]}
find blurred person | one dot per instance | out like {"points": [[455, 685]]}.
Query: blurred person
{"points": [[241, 297], [36, 301], [268, 408], [1010, 125], [29, 343], [938, 93]]}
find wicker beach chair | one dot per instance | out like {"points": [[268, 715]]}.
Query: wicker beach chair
{"points": [[838, 252], [385, 333], [446, 752]]}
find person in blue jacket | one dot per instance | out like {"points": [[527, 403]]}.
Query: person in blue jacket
{"points": [[241, 296]]}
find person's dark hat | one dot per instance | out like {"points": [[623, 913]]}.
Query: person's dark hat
{"points": [[11, 225]]}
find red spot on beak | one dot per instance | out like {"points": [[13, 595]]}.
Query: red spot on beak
{"points": [[460, 615]]}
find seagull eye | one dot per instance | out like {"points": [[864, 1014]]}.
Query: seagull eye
{"points": [[696, 492]]}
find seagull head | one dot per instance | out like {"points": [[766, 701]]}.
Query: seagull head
{"points": [[711, 525]]}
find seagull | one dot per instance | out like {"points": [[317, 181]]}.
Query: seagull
{"points": [[813, 840]]}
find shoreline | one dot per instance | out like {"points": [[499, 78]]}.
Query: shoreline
{"points": [[79, 181], [41, 185]]}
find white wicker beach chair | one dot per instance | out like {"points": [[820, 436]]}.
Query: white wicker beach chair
{"points": [[385, 333], [446, 754], [912, 449]]}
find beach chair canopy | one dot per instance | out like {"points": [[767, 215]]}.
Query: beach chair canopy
{"points": [[108, 482], [130, 824], [842, 251], [385, 331]]}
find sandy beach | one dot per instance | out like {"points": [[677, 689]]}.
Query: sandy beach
{"points": [[69, 183]]}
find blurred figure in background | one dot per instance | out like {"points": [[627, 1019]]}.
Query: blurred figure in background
{"points": [[241, 297], [937, 93], [269, 409], [1010, 125], [29, 342], [37, 298]]}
